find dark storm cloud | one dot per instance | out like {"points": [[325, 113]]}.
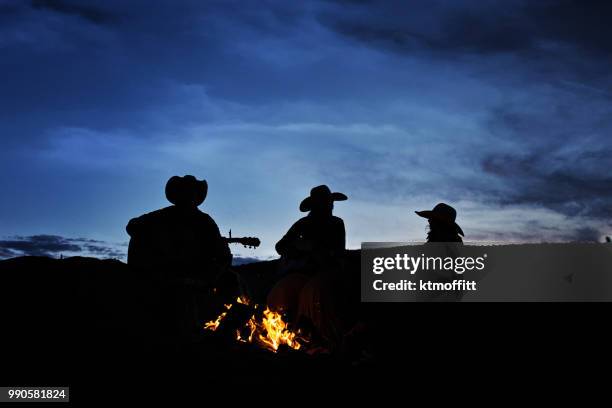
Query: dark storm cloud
{"points": [[560, 155], [90, 13], [584, 23], [475, 26], [409, 27], [527, 25], [558, 182], [54, 245], [566, 44], [535, 232], [585, 234], [9, 9]]}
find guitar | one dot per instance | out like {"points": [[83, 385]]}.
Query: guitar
{"points": [[248, 242]]}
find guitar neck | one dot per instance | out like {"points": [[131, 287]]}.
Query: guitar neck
{"points": [[233, 240]]}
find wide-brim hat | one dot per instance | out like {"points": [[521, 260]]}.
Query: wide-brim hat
{"points": [[321, 194], [444, 213], [186, 190]]}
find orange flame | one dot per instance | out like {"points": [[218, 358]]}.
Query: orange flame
{"points": [[214, 324], [277, 332], [271, 332]]}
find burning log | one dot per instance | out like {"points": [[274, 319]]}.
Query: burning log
{"points": [[266, 329]]}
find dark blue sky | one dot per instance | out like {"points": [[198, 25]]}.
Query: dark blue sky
{"points": [[500, 108]]}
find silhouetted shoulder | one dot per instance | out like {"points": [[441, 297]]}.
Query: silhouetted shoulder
{"points": [[302, 221], [335, 222], [338, 220], [205, 221], [142, 223], [203, 217], [171, 215]]}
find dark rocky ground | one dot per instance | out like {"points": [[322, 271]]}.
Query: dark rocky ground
{"points": [[88, 323]]}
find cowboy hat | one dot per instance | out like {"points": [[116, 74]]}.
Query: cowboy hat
{"points": [[186, 190], [320, 194], [444, 213]]}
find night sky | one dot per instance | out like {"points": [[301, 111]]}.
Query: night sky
{"points": [[499, 108]]}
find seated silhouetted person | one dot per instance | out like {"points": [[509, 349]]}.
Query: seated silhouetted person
{"points": [[377, 322], [180, 237], [446, 234], [181, 250], [316, 239], [312, 252], [442, 225]]}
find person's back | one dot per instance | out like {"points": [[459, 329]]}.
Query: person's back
{"points": [[313, 236], [317, 240], [182, 240], [313, 253], [179, 240], [180, 251]]}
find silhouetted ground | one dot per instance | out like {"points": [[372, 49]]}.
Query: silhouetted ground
{"points": [[71, 321], [86, 322]]}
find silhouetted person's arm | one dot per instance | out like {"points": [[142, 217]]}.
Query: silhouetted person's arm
{"points": [[287, 245], [139, 250], [135, 227]]}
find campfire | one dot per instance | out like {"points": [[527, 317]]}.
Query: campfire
{"points": [[266, 329], [214, 324]]}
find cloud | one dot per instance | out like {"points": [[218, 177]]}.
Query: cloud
{"points": [[497, 223], [480, 27], [586, 234], [537, 233], [54, 246], [530, 41], [551, 148], [90, 13], [40, 245], [411, 28], [559, 182], [6, 253], [9, 9], [398, 104]]}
